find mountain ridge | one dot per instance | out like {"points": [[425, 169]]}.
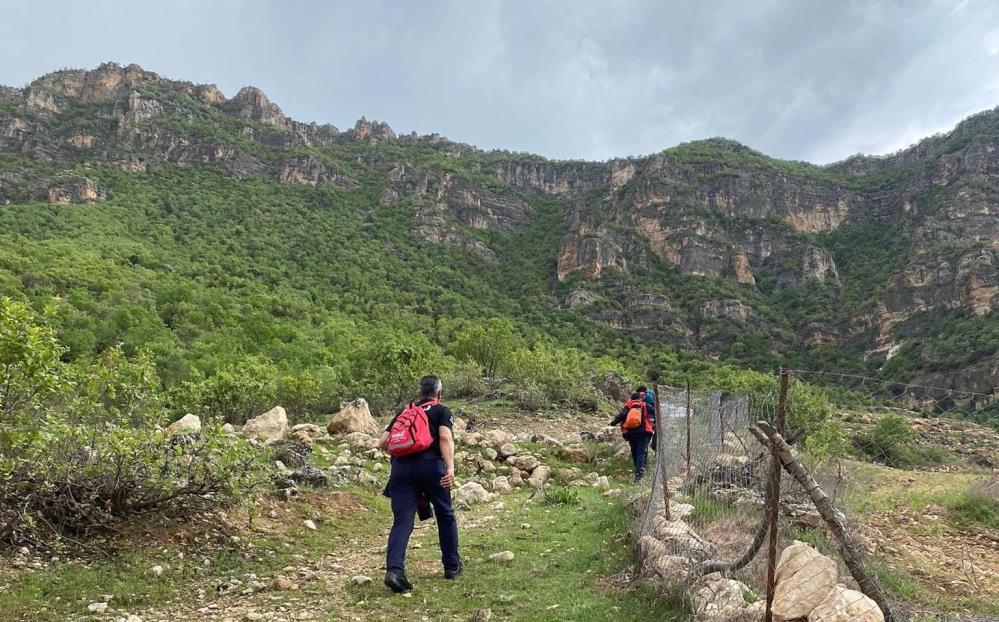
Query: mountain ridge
{"points": [[707, 245]]}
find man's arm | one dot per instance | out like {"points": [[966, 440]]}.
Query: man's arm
{"points": [[447, 452], [383, 441], [620, 417]]}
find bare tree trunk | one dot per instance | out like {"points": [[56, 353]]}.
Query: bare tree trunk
{"points": [[833, 518]]}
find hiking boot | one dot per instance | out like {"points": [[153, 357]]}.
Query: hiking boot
{"points": [[638, 476], [452, 573], [396, 581]]}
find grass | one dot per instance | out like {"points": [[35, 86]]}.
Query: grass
{"points": [[565, 558], [559, 573]]}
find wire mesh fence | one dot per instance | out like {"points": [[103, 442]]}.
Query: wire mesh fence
{"points": [[752, 528]]}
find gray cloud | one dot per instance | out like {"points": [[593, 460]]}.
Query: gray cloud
{"points": [[798, 79]]}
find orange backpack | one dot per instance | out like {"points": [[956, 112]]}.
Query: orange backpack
{"points": [[635, 417]]}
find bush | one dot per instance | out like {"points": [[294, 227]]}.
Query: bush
{"points": [[559, 496], [69, 481], [889, 440], [978, 505], [466, 381]]}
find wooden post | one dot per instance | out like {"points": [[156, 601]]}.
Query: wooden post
{"points": [[721, 423], [773, 508], [688, 429], [659, 453], [833, 518]]}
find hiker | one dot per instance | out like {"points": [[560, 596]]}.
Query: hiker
{"points": [[420, 442], [636, 428], [650, 403]]}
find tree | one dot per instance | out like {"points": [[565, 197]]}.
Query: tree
{"points": [[491, 345], [30, 366]]}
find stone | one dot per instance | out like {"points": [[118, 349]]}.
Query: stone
{"points": [[229, 430], [680, 538], [524, 462], [270, 427], [97, 607], [489, 453], [846, 605], [539, 476], [284, 585], [311, 429], [188, 424], [613, 492], [482, 615], [719, 599], [507, 449], [566, 475], [497, 438], [680, 511], [575, 453], [354, 417], [361, 580], [361, 440], [471, 493], [501, 485], [602, 482], [502, 556], [157, 570], [805, 578], [310, 524]]}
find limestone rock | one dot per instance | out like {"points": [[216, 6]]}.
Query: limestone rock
{"points": [[74, 190], [539, 476], [846, 605], [230, 430], [497, 438], [361, 580], [507, 449], [502, 556], [354, 417], [188, 424], [471, 493], [270, 427], [525, 462], [719, 599], [805, 578], [361, 440], [680, 538], [575, 453], [501, 485]]}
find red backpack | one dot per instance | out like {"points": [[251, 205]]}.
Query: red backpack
{"points": [[410, 432]]}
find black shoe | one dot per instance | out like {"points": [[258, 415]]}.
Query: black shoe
{"points": [[452, 573], [396, 581], [638, 476]]}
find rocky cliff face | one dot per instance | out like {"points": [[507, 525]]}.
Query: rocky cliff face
{"points": [[709, 232]]}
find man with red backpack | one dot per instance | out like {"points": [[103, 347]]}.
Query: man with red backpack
{"points": [[422, 447], [637, 428]]}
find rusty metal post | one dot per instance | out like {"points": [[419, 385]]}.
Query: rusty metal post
{"points": [[659, 453], [688, 429], [774, 508]]}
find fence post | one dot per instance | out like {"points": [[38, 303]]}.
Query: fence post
{"points": [[659, 453], [774, 508], [688, 429], [721, 423]]}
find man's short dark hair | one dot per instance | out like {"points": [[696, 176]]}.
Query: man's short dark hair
{"points": [[643, 389], [430, 386], [635, 395]]}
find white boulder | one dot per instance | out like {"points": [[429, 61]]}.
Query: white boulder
{"points": [[805, 578], [270, 427], [354, 417], [188, 424]]}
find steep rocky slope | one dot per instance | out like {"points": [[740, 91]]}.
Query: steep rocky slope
{"points": [[875, 263]]}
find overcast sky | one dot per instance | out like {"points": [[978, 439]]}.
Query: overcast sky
{"points": [[797, 79]]}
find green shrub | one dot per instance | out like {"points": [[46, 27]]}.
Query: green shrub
{"points": [[889, 440], [977, 505], [465, 381], [559, 496]]}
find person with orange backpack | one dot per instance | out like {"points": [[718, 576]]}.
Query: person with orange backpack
{"points": [[421, 444], [637, 428]]}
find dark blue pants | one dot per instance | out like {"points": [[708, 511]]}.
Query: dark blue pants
{"points": [[412, 476], [639, 442]]}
